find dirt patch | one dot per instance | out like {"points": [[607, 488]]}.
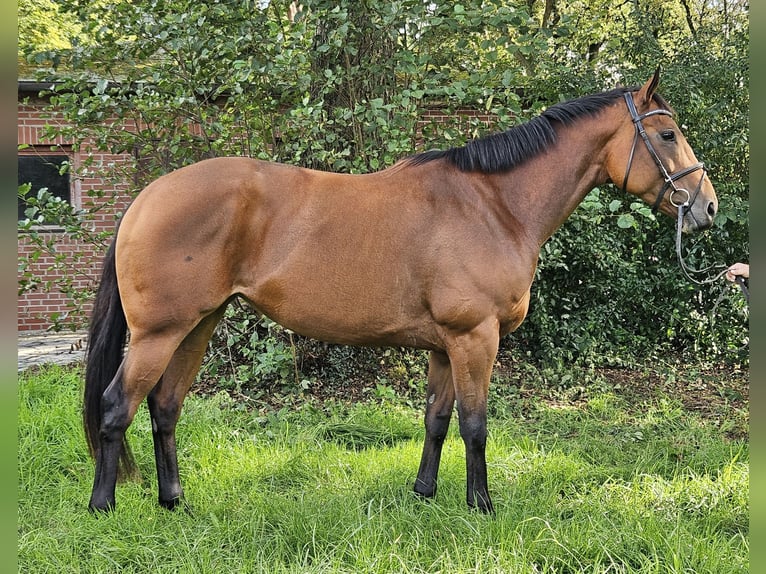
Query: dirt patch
{"points": [[708, 392]]}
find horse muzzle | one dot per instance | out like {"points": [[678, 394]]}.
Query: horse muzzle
{"points": [[698, 216], [695, 210]]}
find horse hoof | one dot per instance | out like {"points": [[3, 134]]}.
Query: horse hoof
{"points": [[175, 504], [100, 508], [483, 505]]}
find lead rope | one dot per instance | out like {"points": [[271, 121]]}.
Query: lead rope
{"points": [[716, 266], [741, 282], [684, 267]]}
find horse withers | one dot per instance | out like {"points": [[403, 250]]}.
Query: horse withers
{"points": [[437, 252]]}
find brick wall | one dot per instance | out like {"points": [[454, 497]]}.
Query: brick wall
{"points": [[82, 262]]}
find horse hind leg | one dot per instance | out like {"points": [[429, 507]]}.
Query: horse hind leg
{"points": [[165, 403], [145, 360]]}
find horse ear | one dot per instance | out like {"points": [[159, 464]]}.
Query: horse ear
{"points": [[647, 90]]}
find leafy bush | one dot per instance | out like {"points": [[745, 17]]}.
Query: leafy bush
{"points": [[344, 87], [598, 299]]}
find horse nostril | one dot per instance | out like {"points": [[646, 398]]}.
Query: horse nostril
{"points": [[711, 209]]}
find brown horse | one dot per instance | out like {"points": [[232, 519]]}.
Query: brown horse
{"points": [[437, 252]]}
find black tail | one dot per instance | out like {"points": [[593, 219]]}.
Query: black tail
{"points": [[107, 334]]}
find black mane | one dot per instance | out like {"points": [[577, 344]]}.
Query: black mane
{"points": [[503, 151]]}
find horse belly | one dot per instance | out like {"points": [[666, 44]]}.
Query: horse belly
{"points": [[362, 311]]}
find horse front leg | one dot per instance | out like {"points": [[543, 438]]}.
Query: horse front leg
{"points": [[439, 404], [472, 356], [473, 430]]}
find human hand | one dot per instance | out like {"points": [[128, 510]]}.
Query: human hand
{"points": [[738, 269]]}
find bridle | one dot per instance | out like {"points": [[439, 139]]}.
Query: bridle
{"points": [[683, 204], [670, 179]]}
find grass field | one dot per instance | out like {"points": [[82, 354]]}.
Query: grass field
{"points": [[606, 484]]}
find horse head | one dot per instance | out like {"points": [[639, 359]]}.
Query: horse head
{"points": [[661, 169]]}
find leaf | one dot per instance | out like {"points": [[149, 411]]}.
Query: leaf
{"points": [[615, 205], [625, 221]]}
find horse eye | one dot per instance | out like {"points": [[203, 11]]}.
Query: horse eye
{"points": [[668, 135]]}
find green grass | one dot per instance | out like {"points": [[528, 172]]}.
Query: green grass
{"points": [[605, 487]]}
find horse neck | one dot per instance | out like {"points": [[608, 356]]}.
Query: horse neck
{"points": [[545, 191]]}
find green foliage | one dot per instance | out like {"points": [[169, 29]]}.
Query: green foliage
{"points": [[248, 348], [263, 363], [619, 298], [344, 87], [43, 25]]}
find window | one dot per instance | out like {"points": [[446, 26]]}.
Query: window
{"points": [[44, 169]]}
